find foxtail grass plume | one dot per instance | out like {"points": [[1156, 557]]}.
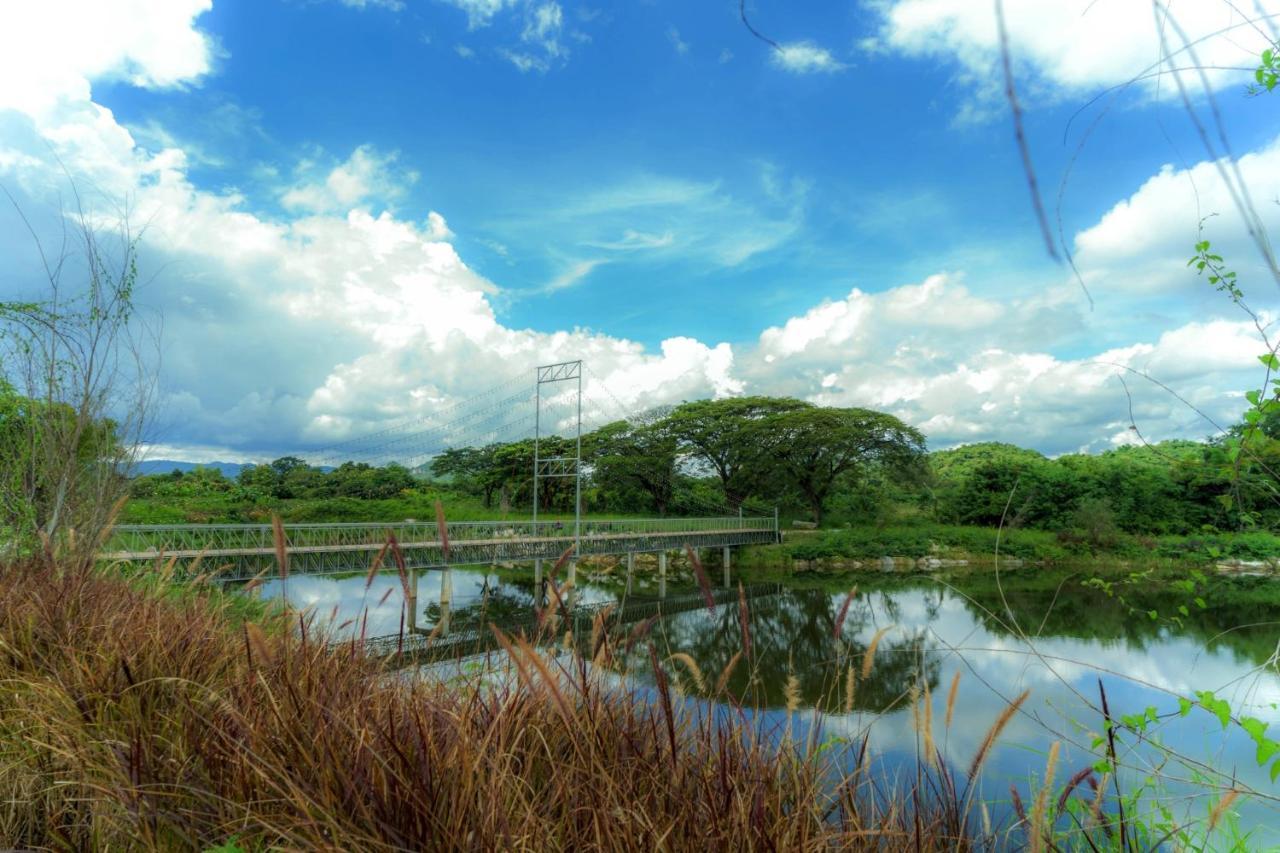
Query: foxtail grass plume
{"points": [[691, 667], [869, 657], [1221, 808], [376, 565], [704, 584], [1039, 812], [993, 733], [951, 697], [725, 674], [843, 612], [281, 545]]}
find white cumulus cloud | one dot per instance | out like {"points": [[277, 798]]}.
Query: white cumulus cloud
{"points": [[1142, 243], [1078, 45], [50, 50], [366, 175], [805, 57], [338, 316]]}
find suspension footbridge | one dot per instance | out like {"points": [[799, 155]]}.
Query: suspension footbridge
{"points": [[243, 551], [551, 410]]}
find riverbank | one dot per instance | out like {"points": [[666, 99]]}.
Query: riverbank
{"points": [[944, 547]]}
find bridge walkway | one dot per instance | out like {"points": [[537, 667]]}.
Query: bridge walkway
{"points": [[247, 550]]}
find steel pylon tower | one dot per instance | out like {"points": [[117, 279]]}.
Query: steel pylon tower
{"points": [[559, 466]]}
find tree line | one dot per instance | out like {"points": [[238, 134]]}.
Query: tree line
{"points": [[701, 457], [721, 454], [832, 465]]}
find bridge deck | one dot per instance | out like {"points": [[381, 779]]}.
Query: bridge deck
{"points": [[333, 548], [560, 541]]}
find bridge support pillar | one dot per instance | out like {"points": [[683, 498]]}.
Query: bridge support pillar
{"points": [[537, 579], [727, 584], [411, 604], [446, 599], [631, 568], [573, 572], [662, 574]]}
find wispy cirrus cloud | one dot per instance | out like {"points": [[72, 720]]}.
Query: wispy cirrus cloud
{"points": [[660, 219], [393, 5], [681, 46], [534, 33], [480, 13]]}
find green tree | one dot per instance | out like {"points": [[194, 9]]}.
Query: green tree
{"points": [[815, 447], [75, 392], [722, 435], [987, 483], [262, 479], [472, 469], [641, 454]]}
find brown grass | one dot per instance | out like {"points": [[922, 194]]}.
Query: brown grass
{"points": [[135, 720], [951, 697], [869, 656], [993, 733], [1221, 808], [704, 583]]}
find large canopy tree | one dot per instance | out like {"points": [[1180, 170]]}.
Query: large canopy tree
{"points": [[471, 468], [640, 453], [814, 447], [722, 434]]}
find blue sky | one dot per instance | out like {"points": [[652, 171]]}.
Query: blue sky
{"points": [[358, 211]]}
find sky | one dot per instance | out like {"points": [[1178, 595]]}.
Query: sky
{"points": [[357, 213]]}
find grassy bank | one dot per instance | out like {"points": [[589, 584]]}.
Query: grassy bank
{"points": [[133, 719], [981, 544]]}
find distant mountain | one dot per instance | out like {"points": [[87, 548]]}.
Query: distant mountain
{"points": [[164, 466]]}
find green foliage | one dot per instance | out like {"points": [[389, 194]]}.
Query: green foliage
{"points": [[1267, 748], [635, 462], [1249, 454], [723, 436], [1267, 74], [51, 458], [817, 447], [1170, 487], [868, 543], [1093, 524]]}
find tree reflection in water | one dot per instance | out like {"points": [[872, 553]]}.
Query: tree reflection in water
{"points": [[793, 634]]}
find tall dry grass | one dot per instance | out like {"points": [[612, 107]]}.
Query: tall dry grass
{"points": [[129, 719]]}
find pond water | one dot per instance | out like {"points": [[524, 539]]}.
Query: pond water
{"points": [[1047, 633]]}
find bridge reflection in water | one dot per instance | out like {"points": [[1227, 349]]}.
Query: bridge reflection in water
{"points": [[443, 642]]}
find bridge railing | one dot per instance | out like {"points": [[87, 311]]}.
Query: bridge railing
{"points": [[142, 539]]}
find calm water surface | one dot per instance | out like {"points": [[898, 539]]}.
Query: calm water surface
{"points": [[1077, 635]]}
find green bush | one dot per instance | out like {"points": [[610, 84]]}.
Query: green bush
{"points": [[866, 543], [1252, 545]]}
